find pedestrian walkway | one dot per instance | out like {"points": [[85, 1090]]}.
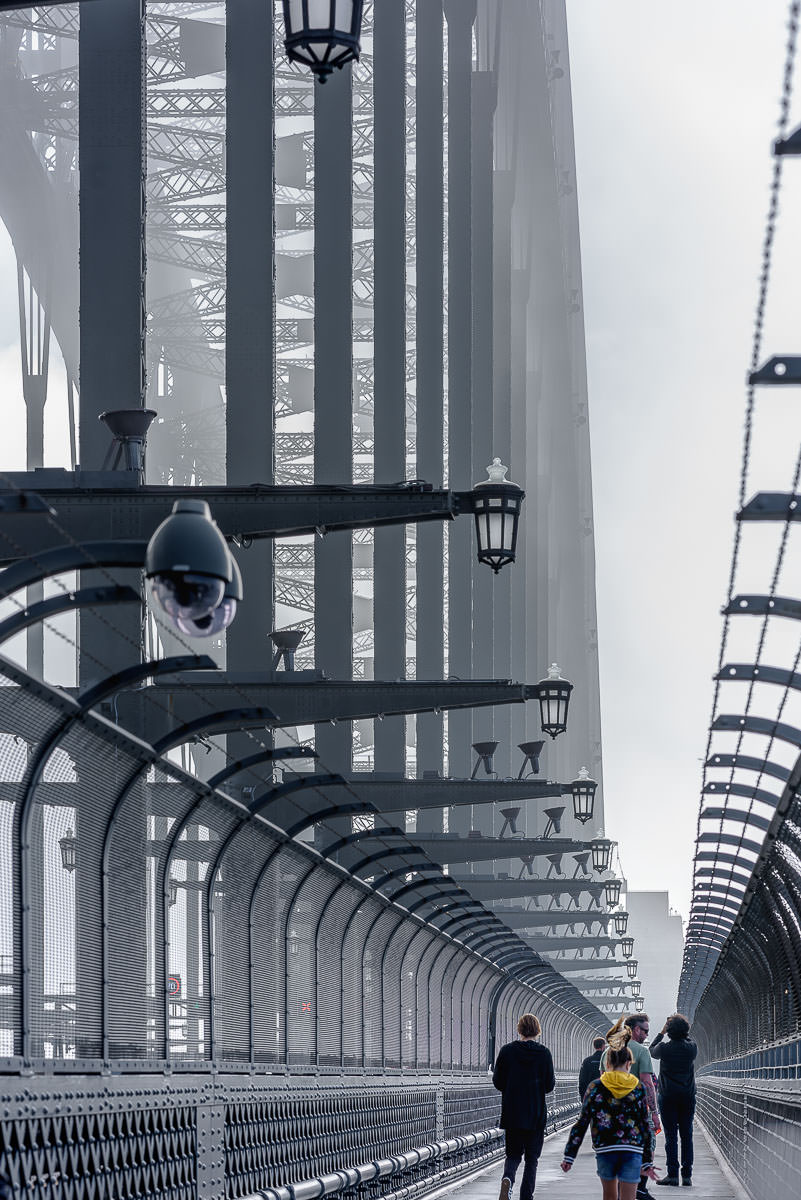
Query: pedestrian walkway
{"points": [[582, 1182]]}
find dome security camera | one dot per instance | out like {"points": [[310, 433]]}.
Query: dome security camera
{"points": [[221, 616], [188, 563]]}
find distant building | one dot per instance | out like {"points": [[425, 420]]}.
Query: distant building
{"points": [[659, 948]]}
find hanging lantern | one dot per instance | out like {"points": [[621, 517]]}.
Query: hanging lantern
{"points": [[621, 920], [631, 968], [322, 34], [612, 889], [601, 854], [496, 507], [583, 791], [68, 847], [636, 988], [639, 1004], [553, 694], [627, 946]]}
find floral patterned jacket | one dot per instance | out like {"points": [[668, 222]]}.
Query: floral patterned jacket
{"points": [[623, 1124]]}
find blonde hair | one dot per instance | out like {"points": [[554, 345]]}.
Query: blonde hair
{"points": [[618, 1054], [528, 1026]]}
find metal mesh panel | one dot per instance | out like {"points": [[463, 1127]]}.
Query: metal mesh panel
{"points": [[374, 960], [395, 1020], [353, 1012], [457, 996], [423, 1005], [302, 958], [756, 1127], [469, 1109], [446, 1011], [278, 1141], [239, 869], [410, 968], [329, 1000], [26, 721], [195, 849], [270, 904]]}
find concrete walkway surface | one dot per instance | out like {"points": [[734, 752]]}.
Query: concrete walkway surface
{"points": [[582, 1182]]}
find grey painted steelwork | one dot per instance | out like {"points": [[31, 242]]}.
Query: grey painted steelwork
{"points": [[304, 275], [120, 1007]]}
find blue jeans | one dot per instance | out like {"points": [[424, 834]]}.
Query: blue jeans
{"points": [[625, 1165], [677, 1120], [523, 1143]]}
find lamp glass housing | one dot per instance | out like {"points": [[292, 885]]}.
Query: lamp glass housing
{"points": [[631, 968], [496, 507], [639, 1003], [627, 946], [612, 888], [601, 850], [553, 695], [636, 988], [583, 791], [67, 845], [322, 34], [621, 923]]}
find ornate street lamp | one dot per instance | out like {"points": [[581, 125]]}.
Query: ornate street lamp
{"points": [[601, 849], [631, 967], [621, 920], [612, 889], [553, 694], [322, 34], [636, 989], [627, 946], [639, 1004], [67, 845], [583, 791], [496, 507]]}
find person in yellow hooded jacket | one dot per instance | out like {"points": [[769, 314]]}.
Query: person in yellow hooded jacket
{"points": [[616, 1111]]}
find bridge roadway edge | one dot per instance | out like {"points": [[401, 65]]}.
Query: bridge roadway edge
{"points": [[713, 1180]]}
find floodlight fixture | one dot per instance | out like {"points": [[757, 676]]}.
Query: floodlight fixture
{"points": [[510, 816], [485, 751], [286, 642], [554, 824], [531, 758]]}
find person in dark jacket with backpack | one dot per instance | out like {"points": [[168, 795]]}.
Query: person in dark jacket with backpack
{"points": [[676, 1059], [591, 1067], [524, 1075]]}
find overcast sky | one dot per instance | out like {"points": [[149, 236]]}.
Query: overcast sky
{"points": [[676, 107]]}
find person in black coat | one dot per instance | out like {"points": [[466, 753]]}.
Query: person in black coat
{"points": [[591, 1067], [523, 1075], [676, 1059]]}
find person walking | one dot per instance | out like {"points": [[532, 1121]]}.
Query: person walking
{"points": [[676, 1096], [591, 1067], [523, 1075], [616, 1111], [642, 1067]]}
